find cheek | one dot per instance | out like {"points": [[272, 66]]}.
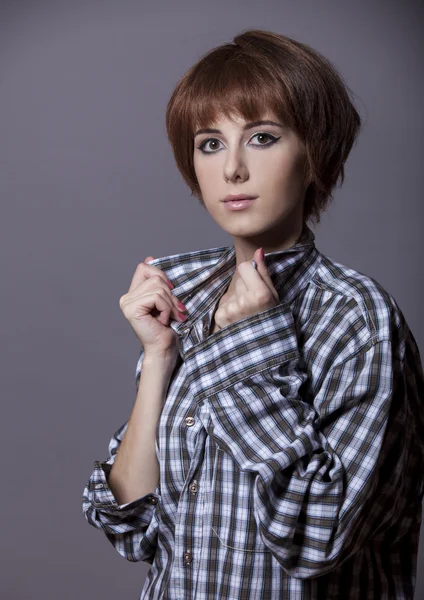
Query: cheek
{"points": [[205, 172], [285, 173]]}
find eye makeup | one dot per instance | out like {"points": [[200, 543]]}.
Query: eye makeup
{"points": [[274, 139]]}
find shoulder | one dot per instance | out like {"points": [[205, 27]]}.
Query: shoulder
{"points": [[354, 308]]}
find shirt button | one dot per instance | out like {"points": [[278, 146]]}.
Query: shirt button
{"points": [[153, 500], [99, 486], [189, 421], [205, 327], [193, 487], [188, 557]]}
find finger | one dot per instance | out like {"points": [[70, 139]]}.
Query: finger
{"points": [[148, 259], [142, 272], [167, 309], [253, 278], [262, 269], [153, 284], [159, 302], [250, 279]]}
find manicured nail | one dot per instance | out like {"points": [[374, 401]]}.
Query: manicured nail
{"points": [[170, 285]]}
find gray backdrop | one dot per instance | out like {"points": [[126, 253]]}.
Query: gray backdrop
{"points": [[89, 188]]}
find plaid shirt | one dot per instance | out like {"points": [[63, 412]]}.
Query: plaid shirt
{"points": [[291, 442]]}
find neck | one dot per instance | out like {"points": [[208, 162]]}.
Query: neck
{"points": [[270, 241]]}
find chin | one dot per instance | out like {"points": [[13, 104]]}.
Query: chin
{"points": [[246, 232]]}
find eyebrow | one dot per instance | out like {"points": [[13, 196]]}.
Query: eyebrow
{"points": [[245, 127]]}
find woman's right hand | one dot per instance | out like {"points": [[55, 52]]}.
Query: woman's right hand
{"points": [[148, 306]]}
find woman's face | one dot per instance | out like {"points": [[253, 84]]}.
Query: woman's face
{"points": [[264, 160]]}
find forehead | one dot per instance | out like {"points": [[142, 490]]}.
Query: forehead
{"points": [[239, 119], [239, 122]]}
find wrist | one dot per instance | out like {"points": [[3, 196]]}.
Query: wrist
{"points": [[162, 361]]}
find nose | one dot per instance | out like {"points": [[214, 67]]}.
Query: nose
{"points": [[235, 165]]}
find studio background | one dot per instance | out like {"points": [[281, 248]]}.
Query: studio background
{"points": [[89, 188]]}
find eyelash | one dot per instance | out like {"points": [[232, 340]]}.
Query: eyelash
{"points": [[273, 138]]}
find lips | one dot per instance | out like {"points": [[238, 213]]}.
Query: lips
{"points": [[238, 197]]}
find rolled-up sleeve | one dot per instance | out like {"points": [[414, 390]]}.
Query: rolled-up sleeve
{"points": [[330, 472], [132, 527]]}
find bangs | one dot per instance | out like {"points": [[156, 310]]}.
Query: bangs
{"points": [[232, 84]]}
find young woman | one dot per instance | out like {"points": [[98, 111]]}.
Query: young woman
{"points": [[275, 448]]}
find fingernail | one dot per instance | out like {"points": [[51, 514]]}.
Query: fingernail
{"points": [[181, 305], [170, 285]]}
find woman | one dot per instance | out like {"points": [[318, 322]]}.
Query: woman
{"points": [[275, 448]]}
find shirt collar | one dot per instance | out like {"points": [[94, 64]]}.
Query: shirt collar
{"points": [[200, 277], [292, 268]]}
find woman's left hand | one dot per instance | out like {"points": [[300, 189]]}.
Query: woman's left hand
{"points": [[254, 293]]}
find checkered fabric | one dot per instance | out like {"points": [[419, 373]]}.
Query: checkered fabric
{"points": [[291, 442]]}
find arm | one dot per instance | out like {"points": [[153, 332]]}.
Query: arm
{"points": [[332, 472], [122, 493]]}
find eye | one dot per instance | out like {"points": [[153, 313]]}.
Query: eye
{"points": [[201, 146], [266, 135]]}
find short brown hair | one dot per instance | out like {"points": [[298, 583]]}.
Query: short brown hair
{"points": [[262, 71]]}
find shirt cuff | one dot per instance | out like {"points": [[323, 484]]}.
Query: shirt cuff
{"points": [[241, 349], [104, 499]]}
